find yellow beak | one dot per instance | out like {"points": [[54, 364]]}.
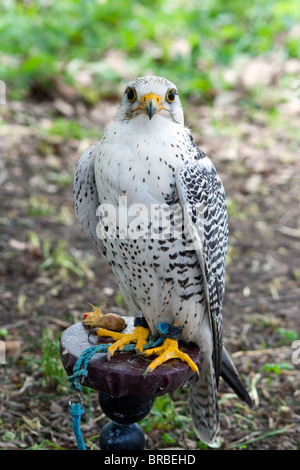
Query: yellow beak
{"points": [[151, 104]]}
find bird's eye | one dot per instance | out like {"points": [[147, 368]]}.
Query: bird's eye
{"points": [[171, 95], [131, 94]]}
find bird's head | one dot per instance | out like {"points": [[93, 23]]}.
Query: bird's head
{"points": [[151, 97]]}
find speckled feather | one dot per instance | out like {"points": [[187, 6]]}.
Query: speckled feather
{"points": [[157, 162]]}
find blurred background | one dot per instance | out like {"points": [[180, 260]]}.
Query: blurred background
{"points": [[63, 68]]}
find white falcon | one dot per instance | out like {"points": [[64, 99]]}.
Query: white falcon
{"points": [[154, 206]]}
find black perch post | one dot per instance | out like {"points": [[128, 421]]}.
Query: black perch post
{"points": [[125, 396]]}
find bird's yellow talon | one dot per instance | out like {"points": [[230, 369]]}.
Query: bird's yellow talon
{"points": [[168, 350], [109, 333], [146, 371], [108, 355], [139, 336]]}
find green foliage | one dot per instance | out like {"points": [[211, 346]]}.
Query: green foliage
{"points": [[259, 437], [3, 332], [119, 299], [57, 258], [287, 335], [182, 40], [61, 179], [67, 129], [166, 415], [45, 445], [50, 361], [278, 367], [39, 206]]}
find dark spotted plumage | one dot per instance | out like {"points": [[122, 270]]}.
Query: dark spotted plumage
{"points": [[162, 224]]}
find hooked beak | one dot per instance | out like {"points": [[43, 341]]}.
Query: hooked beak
{"points": [[151, 108], [151, 104]]}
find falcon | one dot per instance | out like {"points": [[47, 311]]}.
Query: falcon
{"points": [[153, 204]]}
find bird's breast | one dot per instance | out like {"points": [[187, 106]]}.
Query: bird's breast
{"points": [[141, 167]]}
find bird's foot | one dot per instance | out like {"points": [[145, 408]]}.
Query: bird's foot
{"points": [[168, 350], [139, 336]]}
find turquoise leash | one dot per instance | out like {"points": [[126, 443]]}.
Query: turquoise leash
{"points": [[80, 371], [76, 411], [76, 401]]}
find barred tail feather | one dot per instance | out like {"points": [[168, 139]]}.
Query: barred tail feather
{"points": [[204, 406]]}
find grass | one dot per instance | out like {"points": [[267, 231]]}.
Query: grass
{"points": [[48, 363], [68, 129], [257, 437], [57, 259], [182, 40], [39, 206], [170, 416], [288, 336], [278, 367]]}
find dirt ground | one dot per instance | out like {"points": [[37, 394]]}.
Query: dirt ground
{"points": [[50, 272]]}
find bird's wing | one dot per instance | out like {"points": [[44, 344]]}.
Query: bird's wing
{"points": [[86, 196], [203, 200]]}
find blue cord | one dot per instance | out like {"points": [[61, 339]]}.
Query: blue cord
{"points": [[80, 371], [80, 368], [76, 412]]}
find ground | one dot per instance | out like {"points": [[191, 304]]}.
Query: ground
{"points": [[50, 272]]}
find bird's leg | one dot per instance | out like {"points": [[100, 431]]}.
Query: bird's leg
{"points": [[169, 349], [139, 336]]}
